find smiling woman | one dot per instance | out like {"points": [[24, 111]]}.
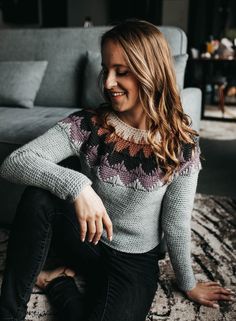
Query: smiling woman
{"points": [[140, 161]]}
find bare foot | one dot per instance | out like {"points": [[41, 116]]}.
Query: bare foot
{"points": [[45, 277]]}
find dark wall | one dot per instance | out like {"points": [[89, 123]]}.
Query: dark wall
{"points": [[54, 13], [150, 10], [44, 13], [20, 12]]}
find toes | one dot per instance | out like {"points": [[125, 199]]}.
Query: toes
{"points": [[69, 272], [40, 281]]}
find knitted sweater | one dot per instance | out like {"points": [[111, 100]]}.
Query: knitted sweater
{"points": [[122, 169]]}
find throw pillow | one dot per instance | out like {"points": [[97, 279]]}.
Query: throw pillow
{"points": [[20, 82], [92, 96]]}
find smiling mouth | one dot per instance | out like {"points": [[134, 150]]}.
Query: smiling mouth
{"points": [[116, 94]]}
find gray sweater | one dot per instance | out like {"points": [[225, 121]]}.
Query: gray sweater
{"points": [[122, 169]]}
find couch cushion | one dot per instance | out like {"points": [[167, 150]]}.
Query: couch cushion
{"points": [[92, 94], [20, 82], [23, 125]]}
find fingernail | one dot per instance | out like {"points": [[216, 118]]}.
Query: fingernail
{"points": [[110, 238], [90, 240], [82, 240], [216, 306], [96, 243]]}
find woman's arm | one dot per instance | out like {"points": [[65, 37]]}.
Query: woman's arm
{"points": [[176, 223], [36, 164]]}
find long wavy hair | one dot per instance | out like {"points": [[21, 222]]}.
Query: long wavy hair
{"points": [[148, 56]]}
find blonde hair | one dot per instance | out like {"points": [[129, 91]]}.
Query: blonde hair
{"points": [[149, 58]]}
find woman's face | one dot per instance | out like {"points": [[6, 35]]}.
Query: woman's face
{"points": [[120, 83]]}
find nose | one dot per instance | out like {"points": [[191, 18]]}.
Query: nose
{"points": [[110, 80]]}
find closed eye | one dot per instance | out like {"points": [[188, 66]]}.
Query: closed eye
{"points": [[123, 73], [118, 73]]}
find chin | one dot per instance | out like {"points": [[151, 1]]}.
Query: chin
{"points": [[119, 108], [116, 108]]}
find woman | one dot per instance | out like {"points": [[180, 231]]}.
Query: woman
{"points": [[139, 168]]}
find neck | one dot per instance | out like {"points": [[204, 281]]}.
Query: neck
{"points": [[136, 119]]}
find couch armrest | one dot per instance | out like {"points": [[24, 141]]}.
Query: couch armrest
{"points": [[191, 99]]}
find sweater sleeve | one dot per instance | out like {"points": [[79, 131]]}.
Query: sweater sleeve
{"points": [[36, 162], [176, 221]]}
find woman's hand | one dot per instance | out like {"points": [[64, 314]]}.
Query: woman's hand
{"points": [[209, 293], [92, 215]]}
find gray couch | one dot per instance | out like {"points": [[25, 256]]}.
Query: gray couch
{"points": [[67, 85]]}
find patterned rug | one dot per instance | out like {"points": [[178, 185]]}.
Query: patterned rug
{"points": [[214, 258]]}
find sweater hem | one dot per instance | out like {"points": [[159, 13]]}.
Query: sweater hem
{"points": [[119, 249]]}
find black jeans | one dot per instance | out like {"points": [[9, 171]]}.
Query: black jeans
{"points": [[119, 286]]}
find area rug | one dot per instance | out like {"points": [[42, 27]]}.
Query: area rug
{"points": [[217, 130], [214, 258]]}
